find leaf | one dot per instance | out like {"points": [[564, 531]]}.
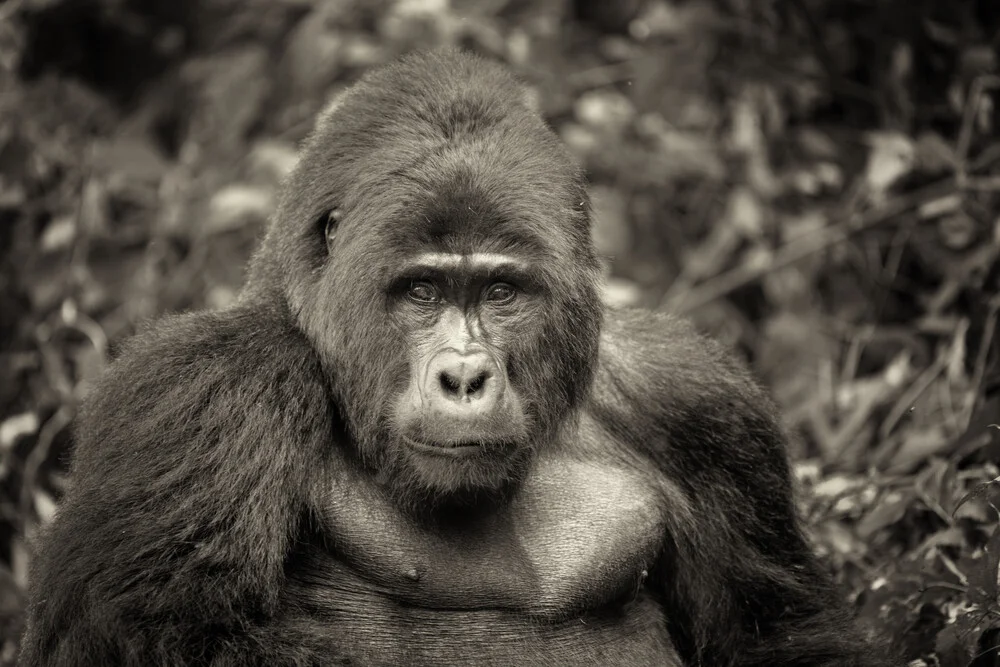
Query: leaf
{"points": [[59, 234], [954, 645], [934, 155], [45, 506], [134, 156], [892, 156], [949, 537], [957, 231], [621, 293], [696, 153], [918, 446], [941, 206], [983, 575], [605, 110], [17, 426], [611, 230], [890, 509], [235, 206], [936, 486], [744, 212], [988, 492], [273, 160]]}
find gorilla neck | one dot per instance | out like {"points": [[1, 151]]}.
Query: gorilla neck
{"points": [[555, 544], [457, 501], [458, 509]]}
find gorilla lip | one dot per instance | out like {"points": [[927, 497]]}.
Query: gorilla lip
{"points": [[449, 449]]}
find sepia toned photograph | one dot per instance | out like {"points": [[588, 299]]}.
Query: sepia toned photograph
{"points": [[502, 333]]}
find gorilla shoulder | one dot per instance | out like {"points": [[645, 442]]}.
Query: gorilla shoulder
{"points": [[688, 403], [662, 362], [184, 368], [199, 410]]}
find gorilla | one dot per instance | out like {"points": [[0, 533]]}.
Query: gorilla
{"points": [[419, 438]]}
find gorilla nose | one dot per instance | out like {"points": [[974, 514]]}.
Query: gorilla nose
{"points": [[463, 383], [465, 378]]}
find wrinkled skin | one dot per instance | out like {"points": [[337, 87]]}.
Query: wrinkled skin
{"points": [[418, 438]]}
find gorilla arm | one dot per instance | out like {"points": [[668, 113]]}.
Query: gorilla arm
{"points": [[191, 474], [741, 584]]}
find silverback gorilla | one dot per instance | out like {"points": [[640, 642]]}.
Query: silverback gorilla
{"points": [[419, 439]]}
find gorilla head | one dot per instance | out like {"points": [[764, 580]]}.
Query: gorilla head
{"points": [[438, 256]]}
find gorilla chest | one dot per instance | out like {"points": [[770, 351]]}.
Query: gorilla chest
{"points": [[562, 567], [577, 537]]}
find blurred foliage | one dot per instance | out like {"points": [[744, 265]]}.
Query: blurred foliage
{"points": [[815, 182]]}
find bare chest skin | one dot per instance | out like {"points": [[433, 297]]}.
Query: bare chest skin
{"points": [[578, 535], [554, 578]]}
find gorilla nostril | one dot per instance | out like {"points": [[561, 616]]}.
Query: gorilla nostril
{"points": [[466, 379], [449, 383], [476, 384]]}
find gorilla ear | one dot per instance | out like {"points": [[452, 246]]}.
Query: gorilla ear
{"points": [[328, 224]]}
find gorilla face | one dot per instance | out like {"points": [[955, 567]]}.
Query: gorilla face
{"points": [[437, 255], [465, 336]]}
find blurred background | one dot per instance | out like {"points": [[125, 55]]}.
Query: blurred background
{"points": [[814, 182]]}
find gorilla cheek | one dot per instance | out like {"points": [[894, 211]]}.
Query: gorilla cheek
{"points": [[407, 410]]}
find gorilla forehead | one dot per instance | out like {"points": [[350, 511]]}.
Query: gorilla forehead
{"points": [[463, 159], [459, 163], [465, 215], [484, 192]]}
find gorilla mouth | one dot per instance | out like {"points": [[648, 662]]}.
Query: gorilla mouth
{"points": [[455, 449]]}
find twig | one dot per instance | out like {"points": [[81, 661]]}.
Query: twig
{"points": [[857, 345], [819, 48], [988, 156], [62, 418], [979, 86], [947, 398], [913, 392], [981, 357], [982, 183], [605, 75]]}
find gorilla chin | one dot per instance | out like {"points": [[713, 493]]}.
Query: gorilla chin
{"points": [[451, 471]]}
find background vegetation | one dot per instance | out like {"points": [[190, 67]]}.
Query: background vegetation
{"points": [[813, 181]]}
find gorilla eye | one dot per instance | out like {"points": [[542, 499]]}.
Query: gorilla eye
{"points": [[422, 292], [329, 223], [500, 293]]}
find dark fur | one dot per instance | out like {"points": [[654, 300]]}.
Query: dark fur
{"points": [[197, 529]]}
